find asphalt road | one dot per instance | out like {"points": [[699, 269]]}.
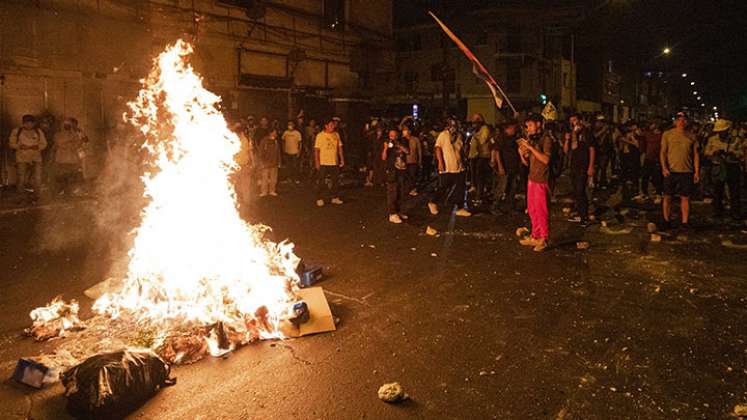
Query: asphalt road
{"points": [[470, 323]]}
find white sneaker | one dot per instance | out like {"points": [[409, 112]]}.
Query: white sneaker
{"points": [[336, 200], [263, 194], [368, 184], [463, 213], [320, 203], [394, 218], [433, 208], [274, 194], [413, 193], [403, 216]]}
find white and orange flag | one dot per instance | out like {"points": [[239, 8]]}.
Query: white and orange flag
{"points": [[477, 68]]}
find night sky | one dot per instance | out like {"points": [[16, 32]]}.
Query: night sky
{"points": [[708, 38]]}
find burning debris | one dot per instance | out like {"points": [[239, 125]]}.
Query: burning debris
{"points": [[200, 281], [54, 320]]}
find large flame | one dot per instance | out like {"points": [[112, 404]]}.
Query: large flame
{"points": [[194, 261]]}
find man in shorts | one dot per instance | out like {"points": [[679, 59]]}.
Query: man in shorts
{"points": [[680, 165]]}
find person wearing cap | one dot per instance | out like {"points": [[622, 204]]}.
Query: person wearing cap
{"points": [[580, 147], [680, 165], [535, 152], [451, 176], [28, 141], [328, 159], [726, 152]]}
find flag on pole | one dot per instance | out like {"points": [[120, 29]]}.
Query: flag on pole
{"points": [[477, 68]]}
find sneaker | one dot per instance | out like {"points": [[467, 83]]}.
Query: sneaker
{"points": [[368, 184], [336, 200], [413, 193], [394, 218], [273, 193], [433, 208], [403, 216], [463, 213], [263, 194], [541, 245], [528, 241], [320, 203], [575, 219]]}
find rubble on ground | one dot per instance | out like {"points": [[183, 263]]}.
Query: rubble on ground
{"points": [[392, 393]]}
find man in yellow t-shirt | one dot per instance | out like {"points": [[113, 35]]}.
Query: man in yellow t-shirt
{"points": [[328, 159]]}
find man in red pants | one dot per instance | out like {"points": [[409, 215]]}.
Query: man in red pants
{"points": [[535, 153]]}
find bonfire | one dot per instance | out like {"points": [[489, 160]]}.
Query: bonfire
{"points": [[200, 280]]}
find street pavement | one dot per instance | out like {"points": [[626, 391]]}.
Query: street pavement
{"points": [[471, 324]]}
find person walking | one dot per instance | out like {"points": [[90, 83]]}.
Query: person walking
{"points": [[727, 153], [28, 141], [580, 148], [451, 175], [328, 159], [395, 153], [680, 166], [535, 151]]}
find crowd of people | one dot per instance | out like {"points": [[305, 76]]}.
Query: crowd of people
{"points": [[460, 166]]}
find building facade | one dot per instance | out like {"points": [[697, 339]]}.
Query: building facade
{"points": [[84, 58], [529, 55]]}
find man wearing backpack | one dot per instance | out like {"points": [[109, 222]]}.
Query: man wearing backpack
{"points": [[28, 142]]}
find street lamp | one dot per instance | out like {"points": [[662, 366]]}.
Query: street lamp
{"points": [[695, 92], [715, 108], [698, 97], [684, 74], [666, 51], [692, 83]]}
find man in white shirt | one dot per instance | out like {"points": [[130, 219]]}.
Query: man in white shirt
{"points": [[451, 174], [328, 159], [28, 141]]}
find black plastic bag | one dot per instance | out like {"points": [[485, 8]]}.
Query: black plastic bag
{"points": [[112, 385]]}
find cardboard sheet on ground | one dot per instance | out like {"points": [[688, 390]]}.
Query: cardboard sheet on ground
{"points": [[320, 316]]}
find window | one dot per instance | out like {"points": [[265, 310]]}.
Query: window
{"points": [[334, 14], [513, 40], [513, 75], [416, 43], [482, 38]]}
